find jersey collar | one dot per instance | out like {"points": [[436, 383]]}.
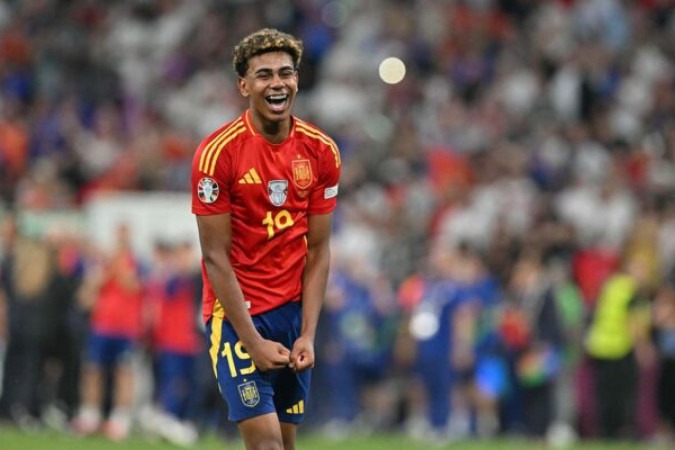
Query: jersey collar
{"points": [[249, 125]]}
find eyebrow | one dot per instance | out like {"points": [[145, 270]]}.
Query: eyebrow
{"points": [[268, 69]]}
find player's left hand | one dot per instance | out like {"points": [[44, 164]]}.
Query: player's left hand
{"points": [[302, 355]]}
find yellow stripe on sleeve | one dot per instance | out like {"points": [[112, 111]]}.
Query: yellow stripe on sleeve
{"points": [[313, 132], [234, 134], [211, 146]]}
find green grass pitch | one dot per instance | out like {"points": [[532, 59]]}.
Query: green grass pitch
{"points": [[13, 439]]}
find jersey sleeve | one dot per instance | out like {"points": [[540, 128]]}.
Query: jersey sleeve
{"points": [[210, 183], [323, 199]]}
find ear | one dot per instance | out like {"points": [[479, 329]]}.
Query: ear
{"points": [[243, 87]]}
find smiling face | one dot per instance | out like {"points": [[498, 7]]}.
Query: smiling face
{"points": [[270, 83]]}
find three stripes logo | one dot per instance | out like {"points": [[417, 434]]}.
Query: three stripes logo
{"points": [[298, 408], [250, 177]]}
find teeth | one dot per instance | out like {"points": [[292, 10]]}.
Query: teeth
{"points": [[277, 97]]}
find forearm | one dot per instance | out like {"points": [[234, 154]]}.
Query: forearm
{"points": [[314, 288], [227, 290]]}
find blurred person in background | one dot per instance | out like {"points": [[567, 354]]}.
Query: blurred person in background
{"points": [[431, 328], [8, 231], [264, 187], [37, 317], [533, 335], [175, 341], [478, 351], [358, 327], [69, 324], [4, 330], [572, 317], [617, 341], [663, 323], [112, 290]]}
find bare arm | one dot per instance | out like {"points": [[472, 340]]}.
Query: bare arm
{"points": [[314, 289], [215, 237]]}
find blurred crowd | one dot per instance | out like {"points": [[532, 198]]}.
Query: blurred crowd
{"points": [[504, 245]]}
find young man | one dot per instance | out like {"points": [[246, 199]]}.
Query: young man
{"points": [[263, 189], [113, 291]]}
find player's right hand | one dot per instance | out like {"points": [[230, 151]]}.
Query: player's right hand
{"points": [[269, 355]]}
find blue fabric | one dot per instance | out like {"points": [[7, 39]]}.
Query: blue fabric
{"points": [[253, 394], [175, 382], [108, 351]]}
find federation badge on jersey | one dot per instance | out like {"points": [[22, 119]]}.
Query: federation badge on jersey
{"points": [[302, 173], [248, 392], [207, 190], [277, 190]]}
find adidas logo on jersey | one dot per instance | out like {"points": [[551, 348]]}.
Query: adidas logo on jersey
{"points": [[251, 177], [298, 408]]}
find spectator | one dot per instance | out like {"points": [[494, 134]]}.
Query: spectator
{"points": [[617, 343], [431, 327], [175, 342], [358, 317], [533, 334], [664, 334], [113, 291], [28, 273]]}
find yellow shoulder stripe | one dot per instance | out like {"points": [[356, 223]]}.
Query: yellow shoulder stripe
{"points": [[215, 142], [221, 146], [313, 132]]}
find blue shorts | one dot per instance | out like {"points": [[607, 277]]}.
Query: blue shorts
{"points": [[109, 351], [248, 392]]}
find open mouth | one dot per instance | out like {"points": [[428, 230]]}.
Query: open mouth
{"points": [[277, 102]]}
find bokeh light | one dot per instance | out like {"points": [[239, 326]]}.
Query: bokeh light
{"points": [[392, 70]]}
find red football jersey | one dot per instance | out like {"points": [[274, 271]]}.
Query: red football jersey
{"points": [[269, 189], [174, 328], [118, 311]]}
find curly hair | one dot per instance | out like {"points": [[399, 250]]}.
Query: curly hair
{"points": [[264, 41]]}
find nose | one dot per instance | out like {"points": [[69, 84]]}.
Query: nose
{"points": [[277, 80]]}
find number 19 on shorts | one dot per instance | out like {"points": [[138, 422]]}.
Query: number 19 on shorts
{"points": [[237, 351]]}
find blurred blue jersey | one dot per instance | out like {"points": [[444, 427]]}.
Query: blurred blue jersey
{"points": [[357, 324], [431, 319]]}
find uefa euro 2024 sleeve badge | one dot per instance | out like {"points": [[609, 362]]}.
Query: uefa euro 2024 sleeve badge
{"points": [[207, 190], [277, 190]]}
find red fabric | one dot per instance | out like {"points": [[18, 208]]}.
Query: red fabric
{"points": [[411, 291], [118, 310], [448, 170], [174, 325], [268, 241], [591, 267]]}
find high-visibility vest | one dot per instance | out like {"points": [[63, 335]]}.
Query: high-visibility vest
{"points": [[609, 336]]}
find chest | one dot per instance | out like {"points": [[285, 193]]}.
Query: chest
{"points": [[274, 176]]}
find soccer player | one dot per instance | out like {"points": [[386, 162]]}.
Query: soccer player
{"points": [[113, 291], [176, 342], [264, 187]]}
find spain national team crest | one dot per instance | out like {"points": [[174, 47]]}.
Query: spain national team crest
{"points": [[278, 191], [302, 173], [207, 190], [248, 392]]}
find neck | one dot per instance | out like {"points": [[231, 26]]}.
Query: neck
{"points": [[273, 131]]}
